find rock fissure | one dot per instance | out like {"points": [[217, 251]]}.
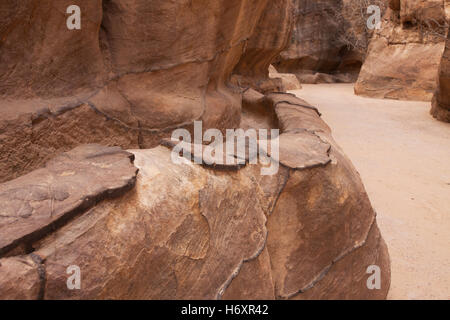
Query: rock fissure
{"points": [[40, 264], [325, 270]]}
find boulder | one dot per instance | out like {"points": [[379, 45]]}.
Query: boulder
{"points": [[288, 80]]}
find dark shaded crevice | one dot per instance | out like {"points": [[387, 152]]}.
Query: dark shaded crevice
{"points": [[40, 263], [274, 205]]}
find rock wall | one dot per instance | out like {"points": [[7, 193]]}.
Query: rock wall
{"points": [[135, 223], [192, 231], [132, 73], [404, 54], [265, 45], [441, 100], [328, 43]]}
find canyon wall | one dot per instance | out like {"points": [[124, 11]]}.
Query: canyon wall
{"points": [[404, 54], [441, 100], [264, 46], [137, 224], [329, 41], [132, 73]]}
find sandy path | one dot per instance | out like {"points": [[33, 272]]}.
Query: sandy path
{"points": [[403, 156]]}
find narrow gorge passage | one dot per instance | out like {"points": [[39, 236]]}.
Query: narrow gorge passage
{"points": [[402, 155]]}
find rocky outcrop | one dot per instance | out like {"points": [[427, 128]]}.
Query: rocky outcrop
{"points": [[68, 185], [404, 54], [441, 100], [132, 73], [328, 43], [189, 231], [265, 44], [289, 81], [136, 224]]}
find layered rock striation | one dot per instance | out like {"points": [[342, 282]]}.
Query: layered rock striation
{"points": [[189, 231]]}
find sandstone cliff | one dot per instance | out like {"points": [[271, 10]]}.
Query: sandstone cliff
{"points": [[404, 54], [195, 232], [329, 41], [135, 223], [441, 101]]}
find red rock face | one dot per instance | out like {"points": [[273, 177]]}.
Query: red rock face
{"points": [[136, 71], [265, 45], [441, 101], [404, 54], [328, 43], [195, 231], [43, 58], [132, 73]]}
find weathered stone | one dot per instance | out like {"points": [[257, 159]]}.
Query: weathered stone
{"points": [[266, 43], [37, 203], [21, 278], [326, 284], [192, 232], [257, 112], [206, 155], [288, 80], [327, 43], [131, 75], [183, 234], [302, 150], [441, 101], [185, 231], [404, 54], [277, 98]]}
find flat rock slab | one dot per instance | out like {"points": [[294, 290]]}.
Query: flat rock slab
{"points": [[300, 150], [36, 203], [292, 118]]}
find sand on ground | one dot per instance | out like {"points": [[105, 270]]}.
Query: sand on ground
{"points": [[403, 157]]}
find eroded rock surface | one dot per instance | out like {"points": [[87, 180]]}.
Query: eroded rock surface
{"points": [[42, 200], [132, 73], [404, 54], [441, 101], [288, 80], [189, 231], [265, 44], [328, 42], [129, 77]]}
